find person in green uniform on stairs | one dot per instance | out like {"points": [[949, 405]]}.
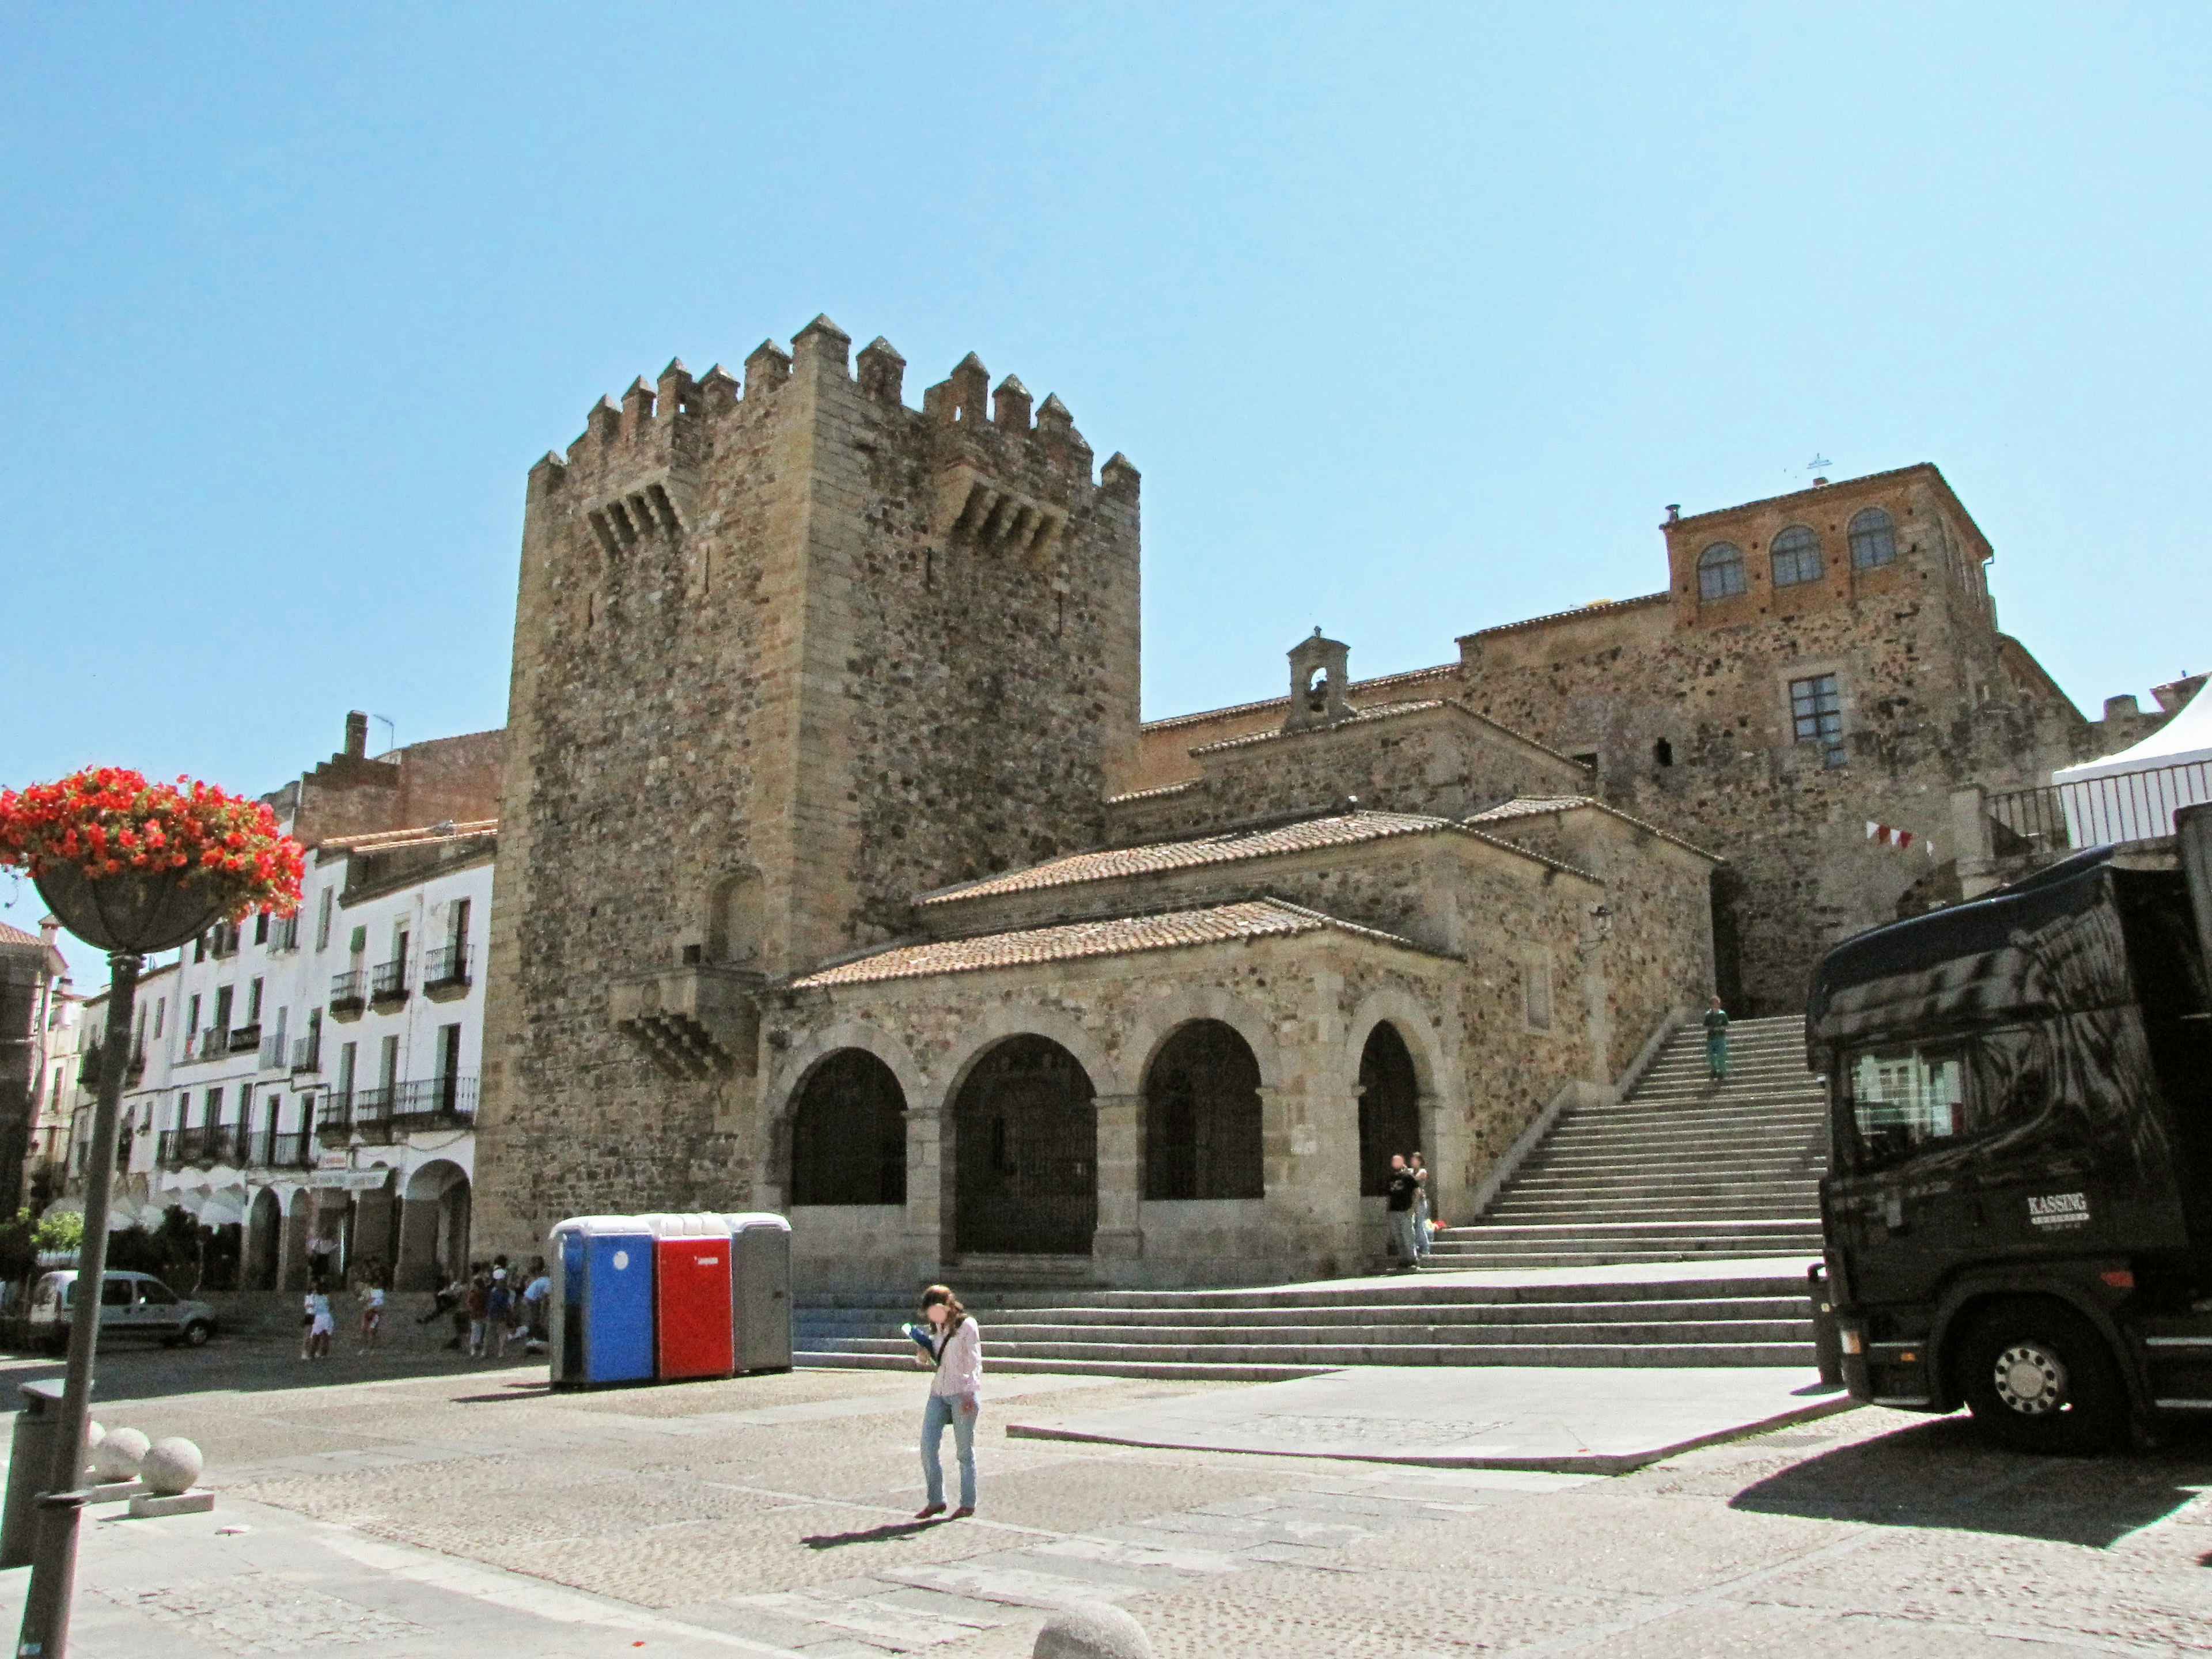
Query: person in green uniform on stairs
{"points": [[1716, 1024]]}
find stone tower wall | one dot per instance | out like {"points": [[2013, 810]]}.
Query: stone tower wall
{"points": [[781, 660]]}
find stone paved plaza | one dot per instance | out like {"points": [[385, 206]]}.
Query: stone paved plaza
{"points": [[401, 1505]]}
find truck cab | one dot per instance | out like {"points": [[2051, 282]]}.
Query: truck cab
{"points": [[2017, 1211]]}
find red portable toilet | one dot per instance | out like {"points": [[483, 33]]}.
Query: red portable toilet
{"points": [[691, 1297]]}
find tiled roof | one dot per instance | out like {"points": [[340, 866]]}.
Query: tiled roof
{"points": [[1387, 711], [385, 840], [1821, 491], [1603, 607], [1075, 940], [1155, 792], [1529, 807], [10, 935], [1410, 676], [1341, 829]]}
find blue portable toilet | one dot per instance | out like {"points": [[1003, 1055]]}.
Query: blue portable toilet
{"points": [[602, 1301]]}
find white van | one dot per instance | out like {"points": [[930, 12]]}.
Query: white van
{"points": [[130, 1304]]}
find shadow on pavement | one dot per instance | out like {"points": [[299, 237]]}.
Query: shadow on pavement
{"points": [[255, 1361], [1945, 1474], [884, 1534]]}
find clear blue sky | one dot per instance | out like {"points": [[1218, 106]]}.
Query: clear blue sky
{"points": [[1413, 319]]}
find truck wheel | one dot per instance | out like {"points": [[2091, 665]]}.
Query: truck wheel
{"points": [[2040, 1378]]}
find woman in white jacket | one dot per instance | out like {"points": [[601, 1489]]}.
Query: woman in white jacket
{"points": [[949, 1341]]}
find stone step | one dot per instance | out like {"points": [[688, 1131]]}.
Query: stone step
{"points": [[1421, 1315], [1108, 1359], [897, 1307]]}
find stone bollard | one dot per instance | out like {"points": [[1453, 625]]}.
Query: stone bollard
{"points": [[1091, 1629], [117, 1454], [169, 1467]]}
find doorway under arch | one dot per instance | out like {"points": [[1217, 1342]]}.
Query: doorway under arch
{"points": [[264, 1230], [1025, 1152], [1202, 1116], [1389, 1107], [848, 1133]]}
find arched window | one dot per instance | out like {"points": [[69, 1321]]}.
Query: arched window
{"points": [[1797, 556], [848, 1133], [1874, 538], [1720, 572], [1202, 1116], [1389, 1107]]}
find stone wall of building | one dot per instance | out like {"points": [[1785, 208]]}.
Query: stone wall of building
{"points": [[1429, 756], [782, 660]]}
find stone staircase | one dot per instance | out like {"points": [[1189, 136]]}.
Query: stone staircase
{"points": [[1681, 1168], [1755, 1316], [1641, 1234]]}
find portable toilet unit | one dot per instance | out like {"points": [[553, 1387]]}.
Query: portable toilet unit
{"points": [[760, 1290], [602, 1301], [692, 1299]]}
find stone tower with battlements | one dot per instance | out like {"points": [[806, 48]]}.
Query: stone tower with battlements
{"points": [[785, 654]]}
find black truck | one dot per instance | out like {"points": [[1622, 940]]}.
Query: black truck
{"points": [[2018, 1210]]}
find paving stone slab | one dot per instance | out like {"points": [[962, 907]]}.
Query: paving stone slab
{"points": [[1597, 1420]]}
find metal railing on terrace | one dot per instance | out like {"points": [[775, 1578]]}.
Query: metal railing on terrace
{"points": [[307, 1055], [387, 1110], [272, 1053], [388, 983], [445, 968], [208, 1144], [2101, 812], [349, 989], [293, 1150]]}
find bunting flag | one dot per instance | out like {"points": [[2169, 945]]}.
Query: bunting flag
{"points": [[1900, 839]]}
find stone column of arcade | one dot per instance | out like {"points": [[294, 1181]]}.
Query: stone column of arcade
{"points": [[1118, 1237], [928, 1187]]}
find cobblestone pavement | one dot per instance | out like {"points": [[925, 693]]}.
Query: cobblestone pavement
{"points": [[773, 1514]]}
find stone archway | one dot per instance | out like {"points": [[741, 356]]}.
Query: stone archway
{"points": [[1389, 1107], [265, 1228], [849, 1132], [1025, 1152], [1203, 1119], [433, 1227]]}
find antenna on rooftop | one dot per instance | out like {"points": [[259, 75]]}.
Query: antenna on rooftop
{"points": [[391, 732], [1818, 461]]}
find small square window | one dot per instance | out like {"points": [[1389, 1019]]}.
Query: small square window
{"points": [[1816, 708]]}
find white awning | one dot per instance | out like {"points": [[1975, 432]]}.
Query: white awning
{"points": [[2133, 795]]}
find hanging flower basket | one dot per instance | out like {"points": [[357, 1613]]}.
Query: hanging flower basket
{"points": [[130, 866]]}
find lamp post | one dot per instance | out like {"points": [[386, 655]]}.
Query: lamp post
{"points": [[129, 917]]}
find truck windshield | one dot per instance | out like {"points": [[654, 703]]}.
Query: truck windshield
{"points": [[1905, 1096]]}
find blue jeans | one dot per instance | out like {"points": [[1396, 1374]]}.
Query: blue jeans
{"points": [[1402, 1235], [942, 1409]]}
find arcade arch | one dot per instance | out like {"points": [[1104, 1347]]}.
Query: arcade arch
{"points": [[849, 1132], [1025, 1152], [1203, 1116]]}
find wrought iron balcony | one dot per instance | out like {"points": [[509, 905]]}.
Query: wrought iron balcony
{"points": [[244, 1039], [212, 1044], [207, 1144], [307, 1055], [348, 994], [446, 972], [387, 984], [293, 1150], [393, 1111], [272, 1053]]}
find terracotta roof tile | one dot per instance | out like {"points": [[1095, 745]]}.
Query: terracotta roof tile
{"points": [[383, 841], [1410, 676], [12, 935], [1602, 607], [1341, 829], [1387, 711], [1529, 807], [1076, 941], [1155, 792]]}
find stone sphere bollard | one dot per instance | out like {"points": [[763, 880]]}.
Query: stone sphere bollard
{"points": [[93, 1434], [171, 1466], [1091, 1629], [119, 1454]]}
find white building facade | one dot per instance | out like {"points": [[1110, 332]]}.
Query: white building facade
{"points": [[312, 1082]]}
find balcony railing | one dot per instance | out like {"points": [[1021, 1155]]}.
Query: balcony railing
{"points": [[2100, 811], [244, 1039], [389, 1110], [209, 1144], [307, 1055], [387, 982], [348, 994], [293, 1150], [211, 1044], [272, 1053], [446, 972]]}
